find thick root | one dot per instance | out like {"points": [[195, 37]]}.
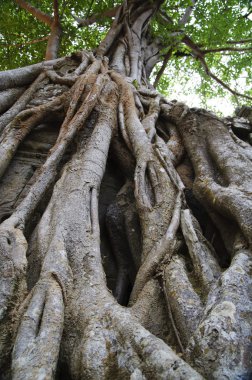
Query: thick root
{"points": [[39, 334], [221, 345], [124, 349], [186, 306], [180, 293], [205, 265], [13, 266], [22, 124], [166, 246]]}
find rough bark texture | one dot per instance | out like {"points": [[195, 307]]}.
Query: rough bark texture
{"points": [[126, 227]]}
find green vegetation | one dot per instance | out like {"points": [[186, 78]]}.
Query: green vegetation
{"points": [[220, 29]]}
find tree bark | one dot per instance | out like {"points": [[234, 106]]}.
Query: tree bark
{"points": [[126, 230]]}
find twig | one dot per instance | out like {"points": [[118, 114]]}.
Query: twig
{"points": [[206, 51], [199, 54], [163, 67], [240, 41]]}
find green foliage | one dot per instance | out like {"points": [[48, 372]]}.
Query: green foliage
{"points": [[212, 24], [135, 84], [18, 28]]}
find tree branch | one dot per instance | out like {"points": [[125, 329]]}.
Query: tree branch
{"points": [[37, 13], [56, 12], [240, 41], [54, 38], [25, 42], [199, 54], [165, 17], [215, 50], [163, 67], [53, 22], [96, 17], [185, 18]]}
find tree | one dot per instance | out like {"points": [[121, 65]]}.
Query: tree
{"points": [[213, 38], [125, 241]]}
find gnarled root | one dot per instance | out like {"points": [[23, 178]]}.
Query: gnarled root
{"points": [[222, 183], [124, 349], [21, 103], [186, 306], [13, 266], [39, 334], [202, 253], [208, 310], [13, 252], [22, 124], [165, 246], [221, 346]]}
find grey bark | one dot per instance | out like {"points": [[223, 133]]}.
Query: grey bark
{"points": [[118, 211]]}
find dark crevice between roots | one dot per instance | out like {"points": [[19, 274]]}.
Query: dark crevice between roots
{"points": [[20, 174], [63, 371], [117, 259], [162, 129], [110, 186], [209, 229], [38, 327]]}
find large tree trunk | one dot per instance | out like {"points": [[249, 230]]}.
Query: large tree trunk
{"points": [[126, 224]]}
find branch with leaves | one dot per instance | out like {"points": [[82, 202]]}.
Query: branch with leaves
{"points": [[197, 53], [111, 12], [178, 39], [27, 42], [53, 22]]}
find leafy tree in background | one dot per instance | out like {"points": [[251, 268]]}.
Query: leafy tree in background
{"points": [[126, 230], [211, 42]]}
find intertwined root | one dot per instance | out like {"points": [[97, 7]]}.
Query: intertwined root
{"points": [[206, 308], [13, 266], [186, 305], [119, 215], [201, 252], [14, 245], [39, 334], [122, 348], [166, 245]]}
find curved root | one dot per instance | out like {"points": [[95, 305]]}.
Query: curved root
{"points": [[39, 334], [13, 266]]}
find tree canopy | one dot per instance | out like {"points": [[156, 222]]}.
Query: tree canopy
{"points": [[209, 41], [125, 216]]}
